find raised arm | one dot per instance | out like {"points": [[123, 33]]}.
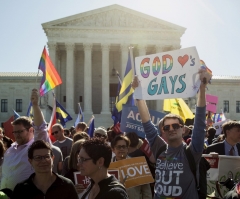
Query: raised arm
{"points": [[200, 116], [38, 117], [39, 124]]}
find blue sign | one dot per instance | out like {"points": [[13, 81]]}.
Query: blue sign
{"points": [[131, 121]]}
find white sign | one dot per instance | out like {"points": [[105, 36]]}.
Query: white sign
{"points": [[166, 75], [218, 126]]}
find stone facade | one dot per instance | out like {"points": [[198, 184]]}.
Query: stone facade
{"points": [[86, 48]]}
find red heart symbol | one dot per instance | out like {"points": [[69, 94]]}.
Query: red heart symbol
{"points": [[183, 60]]}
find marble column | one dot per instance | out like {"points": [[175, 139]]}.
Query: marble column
{"points": [[124, 49], [105, 79], [159, 103], [141, 49], [70, 77], [87, 78]]}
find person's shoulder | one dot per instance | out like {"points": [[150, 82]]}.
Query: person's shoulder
{"points": [[55, 148], [213, 147], [118, 192], [69, 139], [64, 179]]}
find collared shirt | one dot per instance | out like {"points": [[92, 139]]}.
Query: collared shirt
{"points": [[228, 147], [16, 167]]}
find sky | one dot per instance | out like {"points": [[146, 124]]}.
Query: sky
{"points": [[213, 26]]}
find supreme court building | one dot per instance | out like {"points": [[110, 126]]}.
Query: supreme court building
{"points": [[88, 48]]}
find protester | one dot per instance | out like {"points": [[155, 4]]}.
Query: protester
{"points": [[43, 183], [120, 146], [1, 133], [178, 181], [58, 159], [210, 135], [16, 166], [81, 126], [230, 146], [93, 161], [2, 151], [80, 135], [73, 164], [7, 142], [100, 132], [63, 142], [67, 133]]}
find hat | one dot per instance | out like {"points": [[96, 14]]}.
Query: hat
{"points": [[101, 131]]}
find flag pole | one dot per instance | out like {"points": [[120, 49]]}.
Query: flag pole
{"points": [[132, 61]]}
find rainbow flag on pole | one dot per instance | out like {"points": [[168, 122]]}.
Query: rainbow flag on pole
{"points": [[50, 78]]}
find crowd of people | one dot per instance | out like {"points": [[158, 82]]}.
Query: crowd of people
{"points": [[34, 167]]}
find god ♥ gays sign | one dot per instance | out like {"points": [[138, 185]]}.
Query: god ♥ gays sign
{"points": [[166, 75]]}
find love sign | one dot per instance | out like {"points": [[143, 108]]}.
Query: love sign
{"points": [[133, 171], [167, 75]]}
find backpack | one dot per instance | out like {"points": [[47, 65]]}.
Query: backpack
{"points": [[204, 166]]}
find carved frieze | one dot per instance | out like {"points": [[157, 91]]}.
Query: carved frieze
{"points": [[114, 18]]}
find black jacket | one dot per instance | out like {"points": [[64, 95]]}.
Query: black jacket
{"points": [[219, 148], [61, 188], [110, 188]]}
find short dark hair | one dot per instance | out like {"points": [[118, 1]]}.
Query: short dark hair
{"points": [[8, 141], [25, 121], [229, 125], [120, 137], [211, 132], [97, 148], [67, 131], [173, 116], [80, 135], [39, 144], [134, 139], [81, 125]]}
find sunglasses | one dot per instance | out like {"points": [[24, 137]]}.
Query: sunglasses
{"points": [[55, 132], [175, 126]]}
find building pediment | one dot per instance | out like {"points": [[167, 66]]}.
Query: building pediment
{"points": [[112, 17]]}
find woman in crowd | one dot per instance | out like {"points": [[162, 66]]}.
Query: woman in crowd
{"points": [[72, 164], [93, 161], [44, 183], [120, 146]]}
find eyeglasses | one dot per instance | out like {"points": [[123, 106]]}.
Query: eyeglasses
{"points": [[38, 158], [119, 147], [99, 135], [82, 160], [175, 126], [55, 132], [19, 131]]}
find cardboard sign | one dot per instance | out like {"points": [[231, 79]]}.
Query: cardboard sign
{"points": [[133, 171], [80, 179], [167, 75], [131, 121], [212, 173], [211, 101]]}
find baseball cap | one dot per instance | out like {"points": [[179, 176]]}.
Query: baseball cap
{"points": [[100, 131]]}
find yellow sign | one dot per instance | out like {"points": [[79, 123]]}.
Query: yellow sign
{"points": [[133, 171]]}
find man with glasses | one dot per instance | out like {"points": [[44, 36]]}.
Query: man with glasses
{"points": [[174, 178], [62, 141], [16, 167]]}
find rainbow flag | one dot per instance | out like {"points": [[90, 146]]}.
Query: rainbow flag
{"points": [[203, 66], [50, 78]]}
